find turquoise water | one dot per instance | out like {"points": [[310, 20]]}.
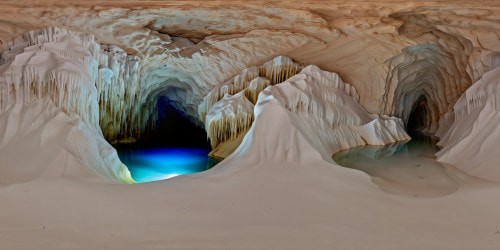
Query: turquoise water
{"points": [[405, 168], [153, 164]]}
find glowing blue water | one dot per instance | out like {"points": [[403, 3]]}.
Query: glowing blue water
{"points": [[155, 164]]}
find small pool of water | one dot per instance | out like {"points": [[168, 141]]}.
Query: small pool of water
{"points": [[153, 164], [405, 168]]}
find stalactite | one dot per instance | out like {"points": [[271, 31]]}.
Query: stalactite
{"points": [[59, 80], [118, 96], [255, 87], [330, 108], [304, 101], [244, 87], [228, 128], [60, 68], [275, 71], [117, 80], [228, 118], [279, 69]]}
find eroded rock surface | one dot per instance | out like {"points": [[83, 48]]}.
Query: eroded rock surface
{"points": [[397, 55]]}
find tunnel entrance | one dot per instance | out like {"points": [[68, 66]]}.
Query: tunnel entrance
{"points": [[175, 146], [423, 118], [419, 119], [173, 128]]}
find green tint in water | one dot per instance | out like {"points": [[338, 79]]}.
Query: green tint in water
{"points": [[405, 168]]}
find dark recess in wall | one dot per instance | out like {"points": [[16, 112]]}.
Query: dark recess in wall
{"points": [[418, 119], [174, 129]]}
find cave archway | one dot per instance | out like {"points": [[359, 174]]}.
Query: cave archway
{"points": [[423, 82], [417, 121], [423, 117], [172, 145], [171, 127]]}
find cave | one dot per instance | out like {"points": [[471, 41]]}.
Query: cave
{"points": [[423, 80], [166, 127], [423, 117], [325, 115], [418, 119], [172, 145]]}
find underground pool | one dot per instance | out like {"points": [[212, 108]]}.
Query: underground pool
{"points": [[405, 168], [153, 164], [176, 147]]}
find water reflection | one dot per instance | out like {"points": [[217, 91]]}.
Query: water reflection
{"points": [[405, 168]]}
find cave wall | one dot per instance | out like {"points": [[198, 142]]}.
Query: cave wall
{"points": [[49, 110], [393, 54]]}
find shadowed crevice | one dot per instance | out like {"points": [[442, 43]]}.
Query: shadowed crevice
{"points": [[172, 128]]}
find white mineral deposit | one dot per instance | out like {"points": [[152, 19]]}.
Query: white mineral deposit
{"points": [[249, 124]]}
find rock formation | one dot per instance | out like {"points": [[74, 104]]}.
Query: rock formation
{"points": [[227, 110], [56, 71], [267, 80], [413, 54], [469, 133]]}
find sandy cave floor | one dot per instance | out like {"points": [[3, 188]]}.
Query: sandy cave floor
{"points": [[287, 207]]}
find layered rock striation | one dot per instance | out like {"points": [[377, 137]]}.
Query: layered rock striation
{"points": [[470, 132]]}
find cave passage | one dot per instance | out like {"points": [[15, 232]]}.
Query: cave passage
{"points": [[418, 119], [174, 129], [175, 147]]}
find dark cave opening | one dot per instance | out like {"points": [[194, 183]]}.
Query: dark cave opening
{"points": [[174, 146], [419, 119], [174, 129]]}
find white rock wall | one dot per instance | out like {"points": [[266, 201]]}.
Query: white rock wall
{"points": [[57, 72]]}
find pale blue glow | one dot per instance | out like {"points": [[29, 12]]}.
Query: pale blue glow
{"points": [[147, 165]]}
